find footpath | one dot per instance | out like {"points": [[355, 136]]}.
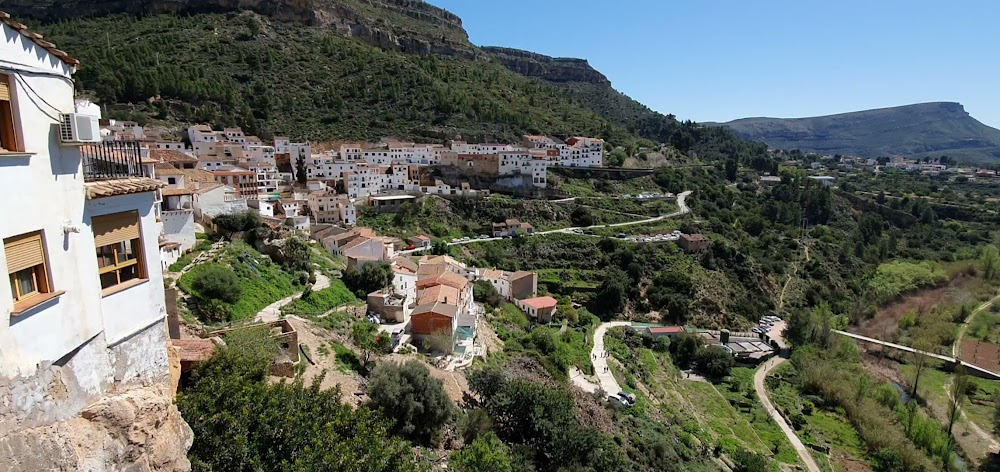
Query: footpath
{"points": [[758, 385]]}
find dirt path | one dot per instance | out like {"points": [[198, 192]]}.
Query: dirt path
{"points": [[956, 348], [758, 385], [273, 311]]}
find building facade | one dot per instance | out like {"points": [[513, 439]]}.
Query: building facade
{"points": [[84, 298]]}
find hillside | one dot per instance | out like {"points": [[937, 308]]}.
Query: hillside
{"points": [[338, 70], [925, 129]]}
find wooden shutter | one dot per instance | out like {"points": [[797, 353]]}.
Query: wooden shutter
{"points": [[24, 251], [4, 89], [115, 228]]}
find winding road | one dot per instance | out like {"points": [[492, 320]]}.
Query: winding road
{"points": [[681, 205], [758, 385]]}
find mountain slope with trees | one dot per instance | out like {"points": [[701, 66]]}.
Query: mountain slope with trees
{"points": [[326, 70]]}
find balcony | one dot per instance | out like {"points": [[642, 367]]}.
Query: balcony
{"points": [[115, 168], [112, 160]]}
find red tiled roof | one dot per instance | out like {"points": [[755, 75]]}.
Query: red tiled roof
{"points": [[37, 39], [541, 303]]}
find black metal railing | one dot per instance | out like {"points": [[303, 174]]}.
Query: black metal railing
{"points": [[112, 160]]}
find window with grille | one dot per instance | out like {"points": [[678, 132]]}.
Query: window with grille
{"points": [[119, 248]]}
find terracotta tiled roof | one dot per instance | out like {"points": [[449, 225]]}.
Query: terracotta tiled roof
{"points": [[439, 294], [541, 302], [450, 311], [170, 155], [167, 169], [173, 192], [450, 279], [520, 274], [110, 188], [37, 39]]}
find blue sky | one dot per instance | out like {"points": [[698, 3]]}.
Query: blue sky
{"points": [[726, 59]]}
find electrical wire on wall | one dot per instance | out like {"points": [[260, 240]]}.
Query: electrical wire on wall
{"points": [[20, 80]]}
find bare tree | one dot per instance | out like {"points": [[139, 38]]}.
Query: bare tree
{"points": [[919, 361], [959, 388]]}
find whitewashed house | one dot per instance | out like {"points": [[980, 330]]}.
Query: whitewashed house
{"points": [[84, 300]]}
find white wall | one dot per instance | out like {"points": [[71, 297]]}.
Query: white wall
{"points": [[55, 358], [178, 227], [52, 177], [130, 310]]}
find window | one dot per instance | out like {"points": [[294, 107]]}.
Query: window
{"points": [[172, 180], [8, 125], [26, 266], [119, 248]]}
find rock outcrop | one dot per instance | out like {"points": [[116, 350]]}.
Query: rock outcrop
{"points": [[555, 69], [411, 26], [137, 430]]}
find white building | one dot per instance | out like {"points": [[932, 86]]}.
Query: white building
{"points": [[85, 300]]}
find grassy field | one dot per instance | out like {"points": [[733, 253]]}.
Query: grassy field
{"points": [[261, 281], [823, 427], [321, 301], [726, 415]]}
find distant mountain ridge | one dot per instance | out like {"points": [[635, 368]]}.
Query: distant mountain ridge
{"points": [[923, 129]]}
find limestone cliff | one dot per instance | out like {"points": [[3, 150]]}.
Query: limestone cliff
{"points": [[555, 69], [139, 430], [411, 26]]}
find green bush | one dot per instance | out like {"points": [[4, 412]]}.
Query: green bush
{"points": [[714, 361], [261, 281], [371, 277], [485, 293], [408, 394], [241, 421], [486, 454]]}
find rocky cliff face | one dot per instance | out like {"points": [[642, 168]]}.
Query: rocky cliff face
{"points": [[555, 69], [139, 430], [411, 26]]}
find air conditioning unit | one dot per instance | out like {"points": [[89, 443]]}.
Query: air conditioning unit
{"points": [[75, 128]]}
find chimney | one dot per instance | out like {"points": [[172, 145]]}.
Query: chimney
{"points": [[724, 336], [197, 185]]}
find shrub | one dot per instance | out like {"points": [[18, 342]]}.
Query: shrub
{"points": [[484, 292], [715, 361], [243, 422], [408, 394], [215, 288], [370, 278], [486, 454]]}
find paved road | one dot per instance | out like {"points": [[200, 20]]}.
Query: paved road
{"points": [[957, 346], [682, 209], [597, 354], [273, 311], [758, 385]]}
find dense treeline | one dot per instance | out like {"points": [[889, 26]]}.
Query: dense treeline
{"points": [[272, 78]]}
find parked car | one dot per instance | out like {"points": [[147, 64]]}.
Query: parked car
{"points": [[622, 235]]}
